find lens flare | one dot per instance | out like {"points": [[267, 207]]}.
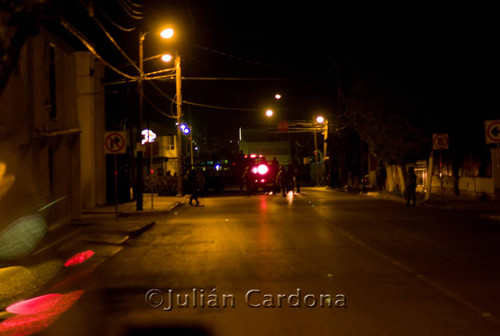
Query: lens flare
{"points": [[79, 258], [262, 169]]}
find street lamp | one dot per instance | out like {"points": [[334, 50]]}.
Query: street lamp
{"points": [[319, 121], [269, 113], [180, 127], [167, 33]]}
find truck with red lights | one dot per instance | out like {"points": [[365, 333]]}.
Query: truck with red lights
{"points": [[262, 175]]}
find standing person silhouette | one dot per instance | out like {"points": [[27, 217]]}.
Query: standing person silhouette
{"points": [[411, 186], [193, 185]]}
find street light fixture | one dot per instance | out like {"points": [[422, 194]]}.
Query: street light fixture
{"points": [[269, 113], [166, 58], [167, 33]]}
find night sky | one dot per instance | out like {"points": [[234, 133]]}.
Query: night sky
{"points": [[444, 58]]}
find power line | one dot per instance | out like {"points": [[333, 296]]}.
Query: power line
{"points": [[108, 35], [130, 11], [91, 48], [113, 22]]}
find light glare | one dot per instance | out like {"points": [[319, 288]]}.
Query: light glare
{"points": [[166, 58], [167, 33], [262, 169]]}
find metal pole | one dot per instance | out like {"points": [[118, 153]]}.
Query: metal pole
{"points": [[178, 89], [139, 177], [151, 171], [316, 153], [116, 186], [191, 149]]}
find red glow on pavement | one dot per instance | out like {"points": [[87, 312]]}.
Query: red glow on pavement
{"points": [[79, 258], [38, 313]]}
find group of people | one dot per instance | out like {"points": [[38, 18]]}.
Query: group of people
{"points": [[164, 185], [286, 179]]}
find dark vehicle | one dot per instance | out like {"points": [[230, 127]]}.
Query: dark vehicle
{"points": [[263, 177]]}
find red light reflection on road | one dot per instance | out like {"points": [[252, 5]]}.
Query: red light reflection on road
{"points": [[38, 313], [79, 258]]}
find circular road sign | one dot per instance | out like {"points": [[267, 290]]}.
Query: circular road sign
{"points": [[493, 131], [283, 126], [114, 143]]}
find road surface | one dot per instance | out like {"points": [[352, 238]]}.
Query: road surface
{"points": [[316, 263]]}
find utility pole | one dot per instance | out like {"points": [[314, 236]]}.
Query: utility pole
{"points": [[139, 187], [178, 89], [316, 153]]}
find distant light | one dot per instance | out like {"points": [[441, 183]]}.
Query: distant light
{"points": [[277, 96], [166, 58], [253, 156], [217, 166], [186, 130], [269, 113], [196, 148], [263, 181], [182, 126], [149, 136], [320, 119], [167, 33]]}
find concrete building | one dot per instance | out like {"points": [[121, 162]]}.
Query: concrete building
{"points": [[51, 131]]}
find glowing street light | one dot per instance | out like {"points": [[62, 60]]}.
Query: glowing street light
{"points": [[167, 33], [166, 58], [269, 113], [320, 119], [277, 96]]}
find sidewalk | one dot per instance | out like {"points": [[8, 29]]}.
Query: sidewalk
{"points": [[160, 205], [488, 209]]}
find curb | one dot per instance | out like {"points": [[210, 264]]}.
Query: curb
{"points": [[149, 212], [445, 206]]}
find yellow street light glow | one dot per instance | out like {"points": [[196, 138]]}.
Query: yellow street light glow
{"points": [[269, 113], [320, 119], [166, 58], [277, 96], [167, 33]]}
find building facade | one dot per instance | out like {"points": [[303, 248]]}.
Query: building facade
{"points": [[51, 124]]}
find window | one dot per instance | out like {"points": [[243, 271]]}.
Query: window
{"points": [[170, 142]]}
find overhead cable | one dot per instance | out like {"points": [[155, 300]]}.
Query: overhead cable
{"points": [[130, 12], [108, 35], [112, 22], [91, 48]]}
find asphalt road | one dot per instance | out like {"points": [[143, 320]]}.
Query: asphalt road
{"points": [[318, 263]]}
